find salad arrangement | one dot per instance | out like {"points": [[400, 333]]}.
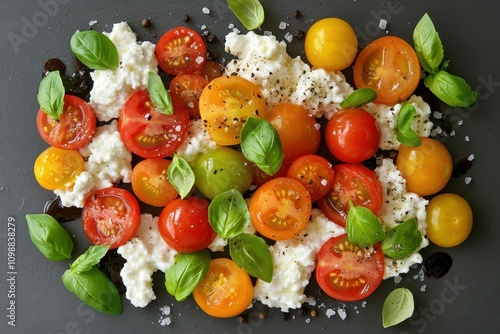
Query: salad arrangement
{"points": [[265, 171]]}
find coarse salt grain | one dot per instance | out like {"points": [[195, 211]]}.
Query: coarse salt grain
{"points": [[205, 10], [330, 313], [91, 23], [460, 122], [282, 25], [438, 115], [468, 180], [471, 157], [342, 313], [382, 24], [199, 60], [289, 37], [467, 138], [423, 287]]}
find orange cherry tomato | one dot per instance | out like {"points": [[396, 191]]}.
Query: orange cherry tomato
{"points": [[226, 290], [150, 182], [187, 89], [314, 172]]}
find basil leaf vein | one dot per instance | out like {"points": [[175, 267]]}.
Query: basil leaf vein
{"points": [[249, 12], [159, 95], [359, 97], [228, 214], [405, 133], [362, 227], [181, 176], [402, 240], [95, 50], [51, 94], [51, 239], [251, 253], [450, 89], [428, 46], [90, 258], [398, 306]]}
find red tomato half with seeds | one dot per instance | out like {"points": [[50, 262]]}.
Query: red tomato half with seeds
{"points": [[348, 272], [147, 132], [111, 217], [181, 51], [74, 128]]}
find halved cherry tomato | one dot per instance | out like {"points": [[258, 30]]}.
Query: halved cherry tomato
{"points": [[187, 89], [74, 128], [150, 182], [225, 105], [111, 217], [352, 135], [299, 132], [226, 290], [347, 272], [181, 51], [280, 208], [314, 172], [184, 226], [58, 169], [390, 66], [147, 132], [352, 182]]}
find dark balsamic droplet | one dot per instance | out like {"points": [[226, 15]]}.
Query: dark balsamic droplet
{"points": [[437, 265], [61, 213], [461, 166], [112, 264]]}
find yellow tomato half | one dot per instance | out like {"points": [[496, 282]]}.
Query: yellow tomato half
{"points": [[57, 169]]}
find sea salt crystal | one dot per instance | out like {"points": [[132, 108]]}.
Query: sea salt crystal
{"points": [[467, 138], [468, 180], [308, 320], [282, 25], [230, 26], [471, 157], [268, 33], [165, 319], [199, 60], [317, 126], [342, 313], [438, 115], [329, 313], [423, 287], [205, 10], [363, 304], [91, 23], [203, 27], [382, 24], [460, 122], [289, 37], [452, 133], [397, 279]]}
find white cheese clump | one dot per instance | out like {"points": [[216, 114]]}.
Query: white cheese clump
{"points": [[145, 253], [112, 87], [294, 261], [197, 141], [282, 79], [107, 161], [399, 205], [387, 118]]}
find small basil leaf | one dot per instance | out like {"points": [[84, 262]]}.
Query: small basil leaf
{"points": [[358, 98], [251, 253], [362, 227], [51, 239], [95, 289], [405, 134], [159, 95], [249, 12], [450, 89], [95, 50], [181, 176], [51, 94], [402, 240], [260, 144], [398, 306], [428, 45], [184, 275], [90, 258], [228, 214]]}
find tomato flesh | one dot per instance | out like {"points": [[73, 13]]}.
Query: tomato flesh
{"points": [[150, 182], [187, 89]]}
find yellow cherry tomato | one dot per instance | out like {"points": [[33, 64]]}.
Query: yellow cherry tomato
{"points": [[427, 168], [331, 44], [57, 169], [449, 220]]}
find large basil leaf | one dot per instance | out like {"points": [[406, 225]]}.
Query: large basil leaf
{"points": [[51, 239], [251, 253]]}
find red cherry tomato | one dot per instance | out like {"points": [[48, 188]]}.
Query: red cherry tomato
{"points": [[111, 216], [352, 135], [354, 183], [347, 272], [74, 128], [184, 226], [147, 132], [314, 172], [187, 89]]}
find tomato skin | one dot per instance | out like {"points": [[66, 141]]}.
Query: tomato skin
{"points": [[347, 272], [280, 208], [181, 51], [449, 220], [74, 128], [391, 67], [211, 69], [298, 131], [226, 290], [184, 226], [150, 182], [426, 168], [353, 182], [352, 135], [187, 89], [147, 132], [58, 169], [314, 172], [331, 44], [260, 177], [111, 216]]}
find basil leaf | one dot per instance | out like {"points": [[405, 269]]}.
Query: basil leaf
{"points": [[159, 95], [95, 50], [51, 94], [362, 227], [228, 214], [251, 253], [450, 89], [249, 12], [181, 176], [95, 289], [358, 98], [398, 306], [402, 240], [428, 45], [184, 275], [405, 134], [51, 239], [260, 144], [90, 258]]}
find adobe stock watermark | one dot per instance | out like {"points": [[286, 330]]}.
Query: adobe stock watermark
{"points": [[11, 272], [31, 24]]}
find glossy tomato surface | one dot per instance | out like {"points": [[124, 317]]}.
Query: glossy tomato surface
{"points": [[151, 184], [314, 172], [58, 169], [187, 88]]}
